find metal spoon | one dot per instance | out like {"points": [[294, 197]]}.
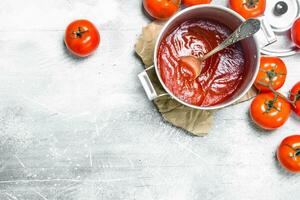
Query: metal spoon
{"points": [[245, 30]]}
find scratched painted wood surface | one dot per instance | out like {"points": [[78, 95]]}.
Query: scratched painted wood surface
{"points": [[82, 129]]}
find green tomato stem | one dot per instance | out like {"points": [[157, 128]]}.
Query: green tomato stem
{"points": [[293, 103]]}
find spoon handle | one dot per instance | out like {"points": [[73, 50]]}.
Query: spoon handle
{"points": [[245, 30]]}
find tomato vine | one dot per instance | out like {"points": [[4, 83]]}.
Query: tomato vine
{"points": [[292, 102]]}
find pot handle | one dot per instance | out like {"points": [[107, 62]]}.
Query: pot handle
{"points": [[148, 86], [265, 35]]}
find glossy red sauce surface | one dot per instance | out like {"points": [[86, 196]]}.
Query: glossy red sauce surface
{"points": [[222, 73]]}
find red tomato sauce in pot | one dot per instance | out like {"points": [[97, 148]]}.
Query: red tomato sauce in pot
{"points": [[222, 73]]}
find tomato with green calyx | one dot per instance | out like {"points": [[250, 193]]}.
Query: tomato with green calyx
{"points": [[295, 97], [248, 8], [288, 153], [161, 9], [295, 32], [82, 38], [270, 111], [272, 72]]}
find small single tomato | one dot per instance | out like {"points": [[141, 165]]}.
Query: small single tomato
{"points": [[269, 111], [272, 72], [161, 9], [295, 32], [248, 8], [295, 96], [82, 38], [195, 2], [288, 153]]}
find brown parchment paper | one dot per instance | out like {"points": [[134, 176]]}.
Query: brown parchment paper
{"points": [[197, 122]]}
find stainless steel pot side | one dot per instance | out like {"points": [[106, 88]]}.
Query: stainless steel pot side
{"points": [[251, 47]]}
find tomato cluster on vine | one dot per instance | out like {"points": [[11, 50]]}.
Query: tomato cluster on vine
{"points": [[271, 109]]}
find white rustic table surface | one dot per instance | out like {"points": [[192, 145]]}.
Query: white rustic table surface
{"points": [[82, 129]]}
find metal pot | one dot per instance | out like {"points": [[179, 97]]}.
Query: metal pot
{"points": [[231, 19]]}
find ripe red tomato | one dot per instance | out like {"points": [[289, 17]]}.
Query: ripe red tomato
{"points": [[272, 71], [82, 38], [195, 2], [288, 153], [248, 8], [295, 31], [161, 9], [269, 111], [295, 96]]}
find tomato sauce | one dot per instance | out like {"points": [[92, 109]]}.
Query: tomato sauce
{"points": [[222, 73]]}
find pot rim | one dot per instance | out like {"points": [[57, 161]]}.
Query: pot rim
{"points": [[214, 107]]}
